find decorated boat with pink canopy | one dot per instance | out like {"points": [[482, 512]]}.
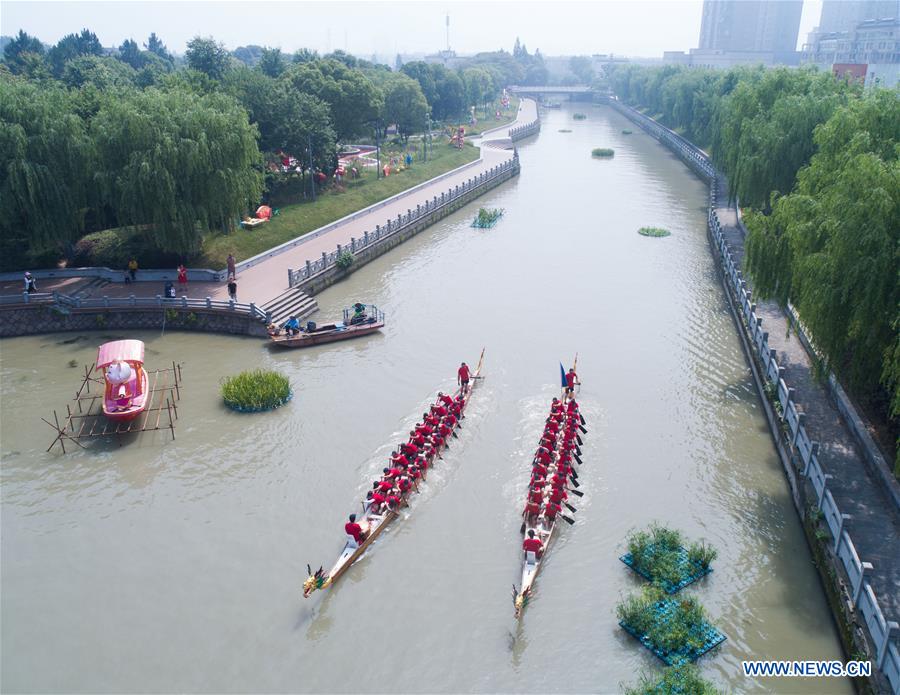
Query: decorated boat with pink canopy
{"points": [[126, 390]]}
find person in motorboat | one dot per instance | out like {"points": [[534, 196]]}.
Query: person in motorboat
{"points": [[292, 326], [359, 314]]}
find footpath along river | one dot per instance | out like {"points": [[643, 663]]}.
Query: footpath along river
{"points": [[165, 566]]}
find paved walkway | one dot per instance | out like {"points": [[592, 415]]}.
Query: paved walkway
{"points": [[268, 279], [875, 523]]}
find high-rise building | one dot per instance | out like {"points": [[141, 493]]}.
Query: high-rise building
{"points": [[844, 15], [750, 25]]}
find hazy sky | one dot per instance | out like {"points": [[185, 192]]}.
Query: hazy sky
{"points": [[625, 27]]}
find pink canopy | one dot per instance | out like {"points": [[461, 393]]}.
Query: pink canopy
{"points": [[120, 351]]}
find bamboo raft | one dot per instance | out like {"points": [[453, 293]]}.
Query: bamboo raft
{"points": [[375, 524], [85, 420]]}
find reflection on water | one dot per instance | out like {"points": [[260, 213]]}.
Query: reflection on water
{"points": [[177, 566]]}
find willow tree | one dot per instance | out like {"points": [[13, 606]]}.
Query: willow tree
{"points": [[176, 164], [832, 247], [45, 156]]}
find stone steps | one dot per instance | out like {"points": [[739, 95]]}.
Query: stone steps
{"points": [[292, 302]]}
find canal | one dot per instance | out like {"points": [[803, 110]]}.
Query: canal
{"points": [[177, 566]]}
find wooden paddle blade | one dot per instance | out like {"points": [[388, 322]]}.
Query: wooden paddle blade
{"points": [[571, 508], [574, 482], [577, 492], [522, 528], [583, 421], [583, 429], [568, 518], [308, 570], [455, 436], [578, 437]]}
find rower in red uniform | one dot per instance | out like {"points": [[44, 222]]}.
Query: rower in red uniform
{"points": [[572, 407], [409, 450], [558, 479], [543, 455], [385, 486], [556, 406], [414, 472], [532, 509], [551, 509], [415, 437], [571, 381], [430, 419], [558, 495], [393, 501], [439, 410], [535, 495], [551, 426], [378, 500], [404, 485], [537, 468], [437, 441], [462, 377], [537, 481], [424, 429], [445, 399], [422, 462], [444, 430], [451, 419], [398, 458], [533, 545], [355, 530]]}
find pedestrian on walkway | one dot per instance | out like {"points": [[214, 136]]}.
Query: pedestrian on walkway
{"points": [[232, 289], [132, 268], [182, 277], [231, 269], [30, 285]]}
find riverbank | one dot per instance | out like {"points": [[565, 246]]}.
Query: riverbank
{"points": [[846, 499]]}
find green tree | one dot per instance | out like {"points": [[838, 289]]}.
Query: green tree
{"points": [[207, 56], [405, 105], [176, 163], [20, 52], [130, 53], [353, 99], [102, 73], [832, 247], [479, 87], [582, 68], [71, 46], [158, 48], [46, 156], [305, 55], [272, 62]]}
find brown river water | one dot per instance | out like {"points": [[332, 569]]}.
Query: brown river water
{"points": [[163, 566]]}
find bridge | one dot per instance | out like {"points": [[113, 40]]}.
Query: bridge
{"points": [[552, 89]]}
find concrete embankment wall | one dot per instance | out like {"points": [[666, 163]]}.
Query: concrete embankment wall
{"points": [[862, 624], [35, 319]]}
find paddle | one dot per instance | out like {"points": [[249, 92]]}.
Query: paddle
{"points": [[580, 443], [583, 422], [578, 458], [575, 483], [577, 492], [455, 436], [571, 508], [583, 429], [570, 520]]}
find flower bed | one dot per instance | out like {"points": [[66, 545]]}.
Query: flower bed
{"points": [[654, 231], [602, 152], [659, 555], [676, 630], [256, 391]]}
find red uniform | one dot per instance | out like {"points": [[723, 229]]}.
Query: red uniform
{"points": [[557, 495], [385, 485], [378, 499], [444, 430], [393, 500], [424, 429], [422, 463], [551, 509], [417, 439], [552, 426], [543, 457], [532, 545], [535, 496], [398, 459], [431, 420], [532, 508], [539, 469], [538, 482], [410, 450], [404, 485], [558, 480], [573, 406], [445, 399], [439, 410], [463, 374], [450, 419], [437, 440], [414, 472], [355, 530]]}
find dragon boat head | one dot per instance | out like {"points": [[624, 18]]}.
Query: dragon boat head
{"points": [[520, 600], [315, 580]]}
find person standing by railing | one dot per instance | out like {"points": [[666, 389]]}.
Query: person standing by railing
{"points": [[232, 288], [30, 284], [232, 273]]}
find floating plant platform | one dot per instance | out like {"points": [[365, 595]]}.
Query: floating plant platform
{"points": [[487, 218], [697, 641], [688, 572]]}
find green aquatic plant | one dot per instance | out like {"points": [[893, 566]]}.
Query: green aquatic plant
{"points": [[676, 680], [256, 390], [487, 217], [565, 130], [579, 116], [702, 554], [602, 152], [654, 231], [626, 132]]}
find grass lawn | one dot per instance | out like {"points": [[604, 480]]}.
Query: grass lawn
{"points": [[301, 218]]}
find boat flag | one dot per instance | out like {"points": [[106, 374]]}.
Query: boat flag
{"points": [[562, 374]]}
